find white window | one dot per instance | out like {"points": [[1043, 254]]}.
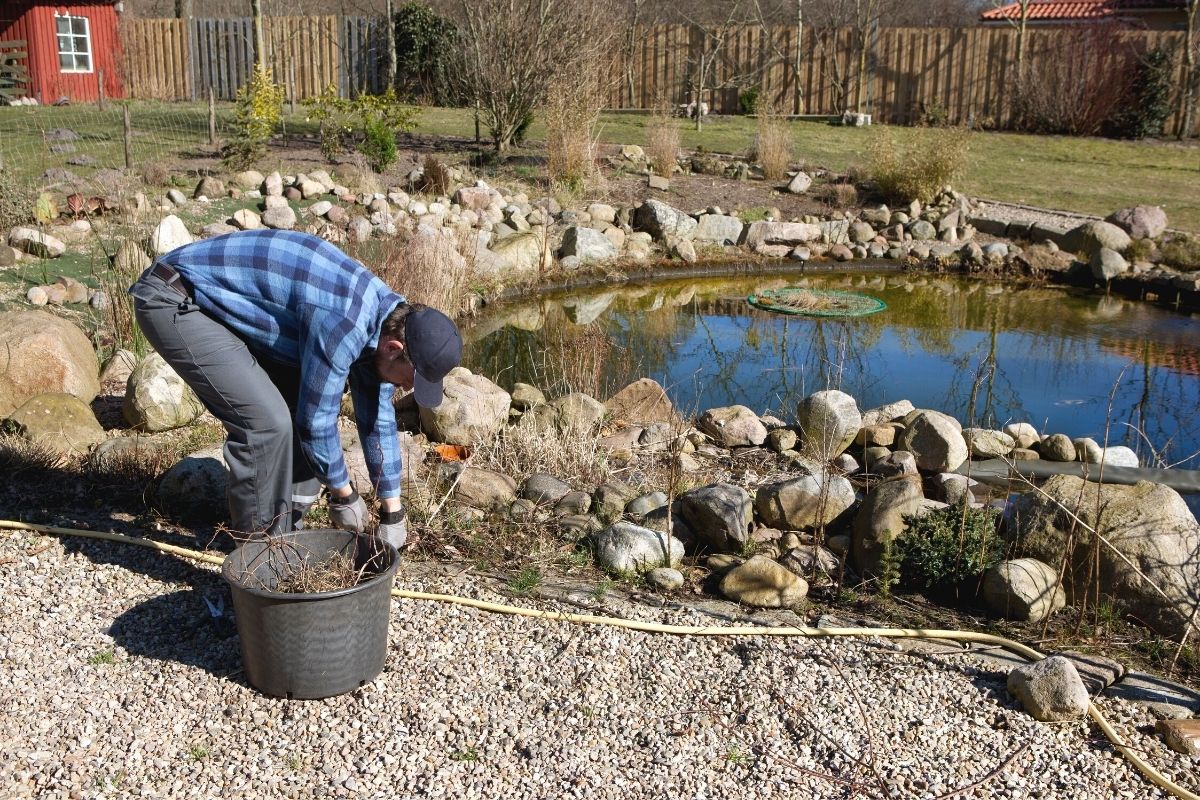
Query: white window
{"points": [[74, 44]]}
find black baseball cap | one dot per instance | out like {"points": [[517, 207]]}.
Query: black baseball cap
{"points": [[434, 347]]}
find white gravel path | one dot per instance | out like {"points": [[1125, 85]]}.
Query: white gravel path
{"points": [[115, 682]]}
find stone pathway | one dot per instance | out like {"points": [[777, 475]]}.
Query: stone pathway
{"points": [[116, 682]]}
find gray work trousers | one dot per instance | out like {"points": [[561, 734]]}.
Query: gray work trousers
{"points": [[270, 483]]}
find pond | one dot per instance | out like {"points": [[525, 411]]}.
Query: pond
{"points": [[1066, 361]]}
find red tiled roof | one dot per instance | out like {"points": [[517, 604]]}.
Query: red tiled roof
{"points": [[1040, 10]]}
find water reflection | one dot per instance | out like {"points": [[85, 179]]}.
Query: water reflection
{"points": [[990, 354]]}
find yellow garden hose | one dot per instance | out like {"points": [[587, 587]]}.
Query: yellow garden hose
{"points": [[1155, 777]]}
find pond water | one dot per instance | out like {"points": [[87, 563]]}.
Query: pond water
{"points": [[1067, 361]]}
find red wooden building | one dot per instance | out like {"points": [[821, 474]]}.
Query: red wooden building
{"points": [[68, 47]]}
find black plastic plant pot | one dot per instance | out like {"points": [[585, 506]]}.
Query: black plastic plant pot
{"points": [[309, 646]]}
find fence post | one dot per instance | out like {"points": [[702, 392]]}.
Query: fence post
{"points": [[100, 89], [128, 138], [212, 117]]}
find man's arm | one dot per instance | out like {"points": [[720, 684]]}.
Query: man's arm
{"points": [[327, 348], [376, 420]]}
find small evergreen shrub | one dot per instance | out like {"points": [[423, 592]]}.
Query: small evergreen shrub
{"points": [[372, 121], [748, 101], [918, 169], [379, 145], [1147, 105], [257, 113], [946, 546], [425, 44]]}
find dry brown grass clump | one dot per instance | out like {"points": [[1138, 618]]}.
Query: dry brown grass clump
{"points": [[919, 168], [437, 178], [837, 195], [426, 269], [774, 143], [536, 445], [329, 575], [662, 142]]}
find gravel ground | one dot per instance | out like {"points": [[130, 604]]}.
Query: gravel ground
{"points": [[116, 682]]}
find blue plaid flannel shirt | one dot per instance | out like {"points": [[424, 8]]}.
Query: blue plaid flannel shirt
{"points": [[299, 300]]}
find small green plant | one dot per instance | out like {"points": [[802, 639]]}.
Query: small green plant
{"points": [[18, 197], [1181, 252], [917, 170], [737, 757], [294, 762], [753, 214], [102, 657], [258, 111], [601, 589], [748, 100], [198, 752], [889, 567], [947, 545], [470, 755], [1148, 104], [379, 145], [526, 580], [371, 120]]}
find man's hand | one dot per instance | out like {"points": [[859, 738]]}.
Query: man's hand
{"points": [[393, 528], [349, 513]]}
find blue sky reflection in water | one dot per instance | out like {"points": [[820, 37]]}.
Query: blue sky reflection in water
{"points": [[984, 352]]}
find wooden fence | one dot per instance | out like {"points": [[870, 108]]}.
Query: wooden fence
{"points": [[961, 75]]}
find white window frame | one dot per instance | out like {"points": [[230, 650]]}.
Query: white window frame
{"points": [[73, 37]]}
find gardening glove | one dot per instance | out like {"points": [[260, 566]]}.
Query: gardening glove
{"points": [[393, 528], [349, 513]]}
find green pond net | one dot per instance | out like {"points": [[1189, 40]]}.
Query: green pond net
{"points": [[816, 302]]}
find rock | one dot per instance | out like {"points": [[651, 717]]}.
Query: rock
{"points": [[8, 256], [476, 198], [575, 412], [609, 499], [1119, 456], [58, 421], [36, 243], [41, 353], [684, 250], [828, 420], [590, 246], [887, 413], [320, 208], [484, 488], [209, 187], [573, 503], [1147, 525], [601, 212], [523, 252], [719, 515], [37, 296], [984, 443], [665, 579], [195, 487], [1023, 434], [157, 399], [719, 228], [1023, 589], [130, 258], [545, 490], [625, 548], [632, 152], [894, 465], [1107, 264], [876, 436], [804, 503], [880, 520], [273, 185], [936, 441], [1057, 447], [1088, 450], [281, 218], [645, 504], [643, 401], [310, 189], [661, 220], [658, 182], [176, 197], [217, 229], [1181, 735], [247, 219], [951, 488], [861, 232], [248, 179], [763, 583], [1090, 237], [922, 231], [168, 235], [1049, 690], [118, 367], [473, 409], [800, 183], [733, 426], [846, 464], [525, 396], [789, 234], [782, 439], [1140, 222]]}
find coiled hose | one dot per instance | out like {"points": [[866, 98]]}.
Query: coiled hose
{"points": [[1153, 775]]}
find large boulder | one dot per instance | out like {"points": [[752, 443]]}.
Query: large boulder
{"points": [[61, 422], [1050, 690], [473, 409], [36, 243], [1107, 264], [829, 421], [887, 413], [195, 487], [521, 252], [41, 353], [718, 515], [168, 235], [643, 401], [781, 233], [936, 441], [157, 399], [733, 426], [764, 583], [1023, 589], [484, 488], [589, 245], [1089, 237], [576, 412], [810, 501], [661, 220], [880, 520], [1140, 222], [626, 548], [719, 229], [987, 443], [1149, 552]]}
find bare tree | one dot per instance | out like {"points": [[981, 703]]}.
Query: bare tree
{"points": [[389, 39], [1191, 72], [703, 60], [511, 49], [845, 68], [1021, 23]]}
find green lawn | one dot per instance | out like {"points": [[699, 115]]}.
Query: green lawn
{"points": [[1089, 175]]}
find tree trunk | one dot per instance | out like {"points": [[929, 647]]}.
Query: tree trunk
{"points": [[1021, 30], [1191, 75], [260, 41], [389, 24], [799, 55]]}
